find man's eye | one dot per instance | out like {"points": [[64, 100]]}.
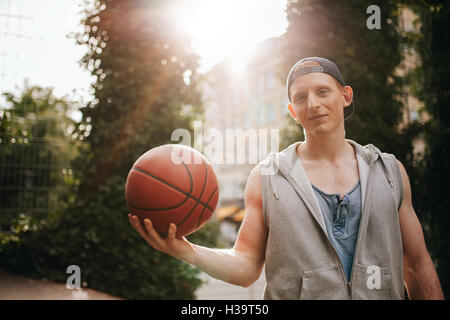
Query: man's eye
{"points": [[323, 91]]}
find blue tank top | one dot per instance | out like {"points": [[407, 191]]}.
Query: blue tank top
{"points": [[342, 221]]}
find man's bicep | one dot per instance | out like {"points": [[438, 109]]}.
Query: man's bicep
{"points": [[252, 235], [411, 229]]}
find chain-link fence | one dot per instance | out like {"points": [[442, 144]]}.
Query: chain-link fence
{"points": [[33, 167]]}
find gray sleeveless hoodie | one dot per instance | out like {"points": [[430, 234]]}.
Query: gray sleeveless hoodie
{"points": [[301, 262]]}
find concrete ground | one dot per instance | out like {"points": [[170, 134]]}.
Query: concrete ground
{"points": [[14, 287], [215, 289]]}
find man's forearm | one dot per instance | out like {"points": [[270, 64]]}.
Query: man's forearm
{"points": [[422, 282], [225, 264]]}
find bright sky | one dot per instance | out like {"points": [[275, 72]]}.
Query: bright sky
{"points": [[231, 28], [36, 45]]}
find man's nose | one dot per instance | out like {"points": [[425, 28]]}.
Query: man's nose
{"points": [[312, 101]]}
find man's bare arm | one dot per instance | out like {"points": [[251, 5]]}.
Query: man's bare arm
{"points": [[240, 265], [420, 275]]}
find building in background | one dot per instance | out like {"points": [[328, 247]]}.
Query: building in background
{"points": [[246, 104]]}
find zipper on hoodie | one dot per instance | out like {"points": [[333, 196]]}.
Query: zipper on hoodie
{"points": [[363, 215], [341, 268]]}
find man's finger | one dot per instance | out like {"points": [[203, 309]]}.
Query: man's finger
{"points": [[132, 220], [142, 230], [152, 232], [172, 231], [136, 223]]}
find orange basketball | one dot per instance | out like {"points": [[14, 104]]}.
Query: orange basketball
{"points": [[172, 183]]}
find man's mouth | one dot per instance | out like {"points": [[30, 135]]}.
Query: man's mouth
{"points": [[319, 116]]}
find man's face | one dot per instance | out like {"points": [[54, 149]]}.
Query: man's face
{"points": [[318, 102]]}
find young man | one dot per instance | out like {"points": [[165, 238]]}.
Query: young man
{"points": [[329, 218]]}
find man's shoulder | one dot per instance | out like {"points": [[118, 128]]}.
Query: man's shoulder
{"points": [[284, 154], [370, 149]]}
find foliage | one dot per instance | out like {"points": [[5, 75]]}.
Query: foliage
{"points": [[290, 133], [34, 151], [432, 86]]}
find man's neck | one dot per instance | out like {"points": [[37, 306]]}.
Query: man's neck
{"points": [[329, 148]]}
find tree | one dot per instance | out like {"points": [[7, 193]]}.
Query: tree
{"points": [[432, 83]]}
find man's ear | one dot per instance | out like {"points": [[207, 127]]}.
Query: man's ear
{"points": [[291, 111], [348, 96]]}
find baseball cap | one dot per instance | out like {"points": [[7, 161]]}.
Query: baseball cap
{"points": [[325, 66]]}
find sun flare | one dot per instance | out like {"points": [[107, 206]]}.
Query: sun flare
{"points": [[231, 28]]}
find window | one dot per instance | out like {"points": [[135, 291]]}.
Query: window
{"points": [[271, 112], [260, 114]]}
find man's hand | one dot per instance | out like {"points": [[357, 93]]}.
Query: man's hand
{"points": [[176, 247]]}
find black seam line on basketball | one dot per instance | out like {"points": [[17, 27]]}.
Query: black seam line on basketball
{"points": [[203, 211], [188, 195], [159, 209], [201, 194], [189, 173]]}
